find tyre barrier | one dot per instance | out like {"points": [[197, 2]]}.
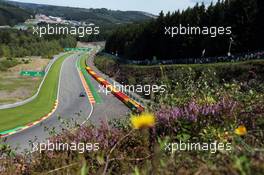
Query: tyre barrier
{"points": [[129, 102], [21, 128]]}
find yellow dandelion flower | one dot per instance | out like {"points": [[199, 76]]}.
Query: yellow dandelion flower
{"points": [[210, 100], [241, 130], [144, 120], [206, 100]]}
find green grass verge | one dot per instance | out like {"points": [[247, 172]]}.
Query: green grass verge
{"points": [[13, 84], [7, 63], [81, 64], [39, 107]]}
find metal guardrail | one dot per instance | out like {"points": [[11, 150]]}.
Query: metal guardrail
{"points": [[13, 105], [132, 95], [202, 60]]}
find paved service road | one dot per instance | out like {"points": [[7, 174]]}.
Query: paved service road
{"points": [[71, 106]]}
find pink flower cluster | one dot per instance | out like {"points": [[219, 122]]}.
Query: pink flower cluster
{"points": [[193, 110]]}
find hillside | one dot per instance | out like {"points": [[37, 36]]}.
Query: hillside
{"points": [[98, 16], [11, 15]]}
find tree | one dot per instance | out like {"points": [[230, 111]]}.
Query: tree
{"points": [[145, 40]]}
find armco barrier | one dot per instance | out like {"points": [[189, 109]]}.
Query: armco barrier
{"points": [[130, 94], [132, 104]]}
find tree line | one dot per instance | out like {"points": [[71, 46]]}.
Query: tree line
{"points": [[12, 15], [147, 40], [16, 43]]}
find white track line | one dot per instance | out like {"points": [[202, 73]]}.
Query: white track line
{"points": [[92, 108], [89, 116], [58, 91], [17, 104]]}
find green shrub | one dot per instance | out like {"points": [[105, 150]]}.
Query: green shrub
{"points": [[7, 63]]}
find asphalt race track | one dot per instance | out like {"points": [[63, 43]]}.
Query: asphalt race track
{"points": [[69, 104], [72, 109]]}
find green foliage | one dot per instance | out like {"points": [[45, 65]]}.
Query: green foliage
{"points": [[107, 64], [40, 106], [84, 170], [11, 15], [16, 43], [143, 41], [7, 63], [186, 81], [126, 151], [106, 19], [101, 17], [242, 163], [6, 150]]}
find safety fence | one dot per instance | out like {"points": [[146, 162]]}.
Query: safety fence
{"points": [[131, 103], [247, 56]]}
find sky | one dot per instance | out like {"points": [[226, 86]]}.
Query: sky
{"points": [[151, 6]]}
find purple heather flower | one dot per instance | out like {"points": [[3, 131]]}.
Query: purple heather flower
{"points": [[192, 110]]}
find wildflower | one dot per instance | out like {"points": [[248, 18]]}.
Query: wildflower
{"points": [[210, 100], [224, 137], [144, 120], [241, 130], [207, 100]]}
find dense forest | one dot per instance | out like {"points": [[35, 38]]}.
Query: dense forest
{"points": [[101, 17], [15, 43], [11, 15], [107, 20], [147, 40]]}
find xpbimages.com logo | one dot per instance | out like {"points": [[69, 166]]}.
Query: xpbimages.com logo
{"points": [[211, 147], [73, 146], [140, 89], [211, 31], [79, 31]]}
